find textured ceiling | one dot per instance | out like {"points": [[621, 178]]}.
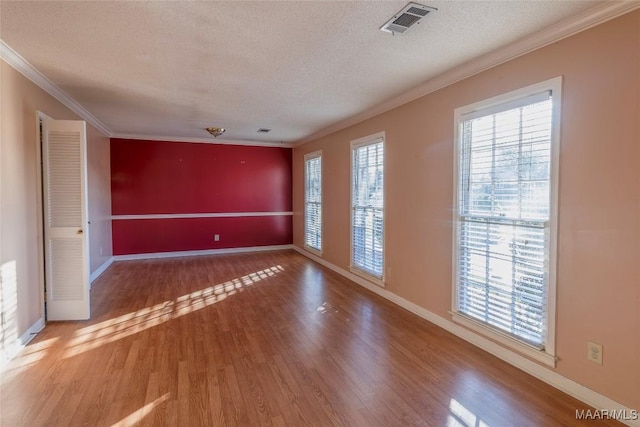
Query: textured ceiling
{"points": [[173, 68]]}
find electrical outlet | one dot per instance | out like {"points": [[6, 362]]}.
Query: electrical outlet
{"points": [[216, 237], [594, 352]]}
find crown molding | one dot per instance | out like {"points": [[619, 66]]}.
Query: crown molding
{"points": [[581, 22], [201, 140], [596, 15], [14, 59]]}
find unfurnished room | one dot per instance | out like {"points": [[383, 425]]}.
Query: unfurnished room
{"points": [[320, 213]]}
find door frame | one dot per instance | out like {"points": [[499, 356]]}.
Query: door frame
{"points": [[40, 117]]}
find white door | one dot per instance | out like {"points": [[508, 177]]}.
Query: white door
{"points": [[65, 219]]}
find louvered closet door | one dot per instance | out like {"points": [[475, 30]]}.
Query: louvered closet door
{"points": [[65, 213]]}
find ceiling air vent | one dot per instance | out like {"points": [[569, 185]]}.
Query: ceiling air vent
{"points": [[403, 20]]}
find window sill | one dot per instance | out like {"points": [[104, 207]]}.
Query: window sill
{"points": [[505, 340], [313, 251], [373, 279]]}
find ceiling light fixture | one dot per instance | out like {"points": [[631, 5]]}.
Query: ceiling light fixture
{"points": [[216, 132]]}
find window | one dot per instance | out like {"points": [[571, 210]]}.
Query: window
{"points": [[367, 206], [506, 215], [313, 201]]}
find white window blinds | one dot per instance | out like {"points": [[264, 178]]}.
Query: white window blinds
{"points": [[313, 201], [504, 212], [367, 230]]}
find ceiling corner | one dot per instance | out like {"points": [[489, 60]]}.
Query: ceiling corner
{"points": [[14, 59]]}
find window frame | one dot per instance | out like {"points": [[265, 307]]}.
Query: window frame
{"points": [[307, 157], [503, 102], [379, 137]]}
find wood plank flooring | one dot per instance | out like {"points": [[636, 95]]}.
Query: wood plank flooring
{"points": [[261, 339]]}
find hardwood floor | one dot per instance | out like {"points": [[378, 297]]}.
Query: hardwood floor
{"points": [[261, 339]]}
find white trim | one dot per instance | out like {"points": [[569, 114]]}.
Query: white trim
{"points": [[157, 255], [505, 340], [201, 140], [100, 270], [201, 215], [540, 372], [368, 140], [509, 100], [12, 349], [366, 276], [504, 102], [378, 137], [14, 59], [517, 97], [590, 18], [310, 156], [552, 294], [454, 234], [312, 250], [360, 280], [40, 117], [313, 155]]}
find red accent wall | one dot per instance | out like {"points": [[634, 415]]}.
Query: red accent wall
{"points": [[163, 177]]}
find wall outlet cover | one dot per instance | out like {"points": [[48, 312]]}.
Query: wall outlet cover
{"points": [[594, 352]]}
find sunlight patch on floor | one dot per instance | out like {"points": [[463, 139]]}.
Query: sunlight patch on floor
{"points": [[111, 330], [9, 306], [138, 416], [460, 416], [30, 356]]}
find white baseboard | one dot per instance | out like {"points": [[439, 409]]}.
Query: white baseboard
{"points": [[13, 348], [202, 252], [100, 270], [572, 388]]}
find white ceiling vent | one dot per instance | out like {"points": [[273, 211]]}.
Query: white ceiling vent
{"points": [[403, 20]]}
